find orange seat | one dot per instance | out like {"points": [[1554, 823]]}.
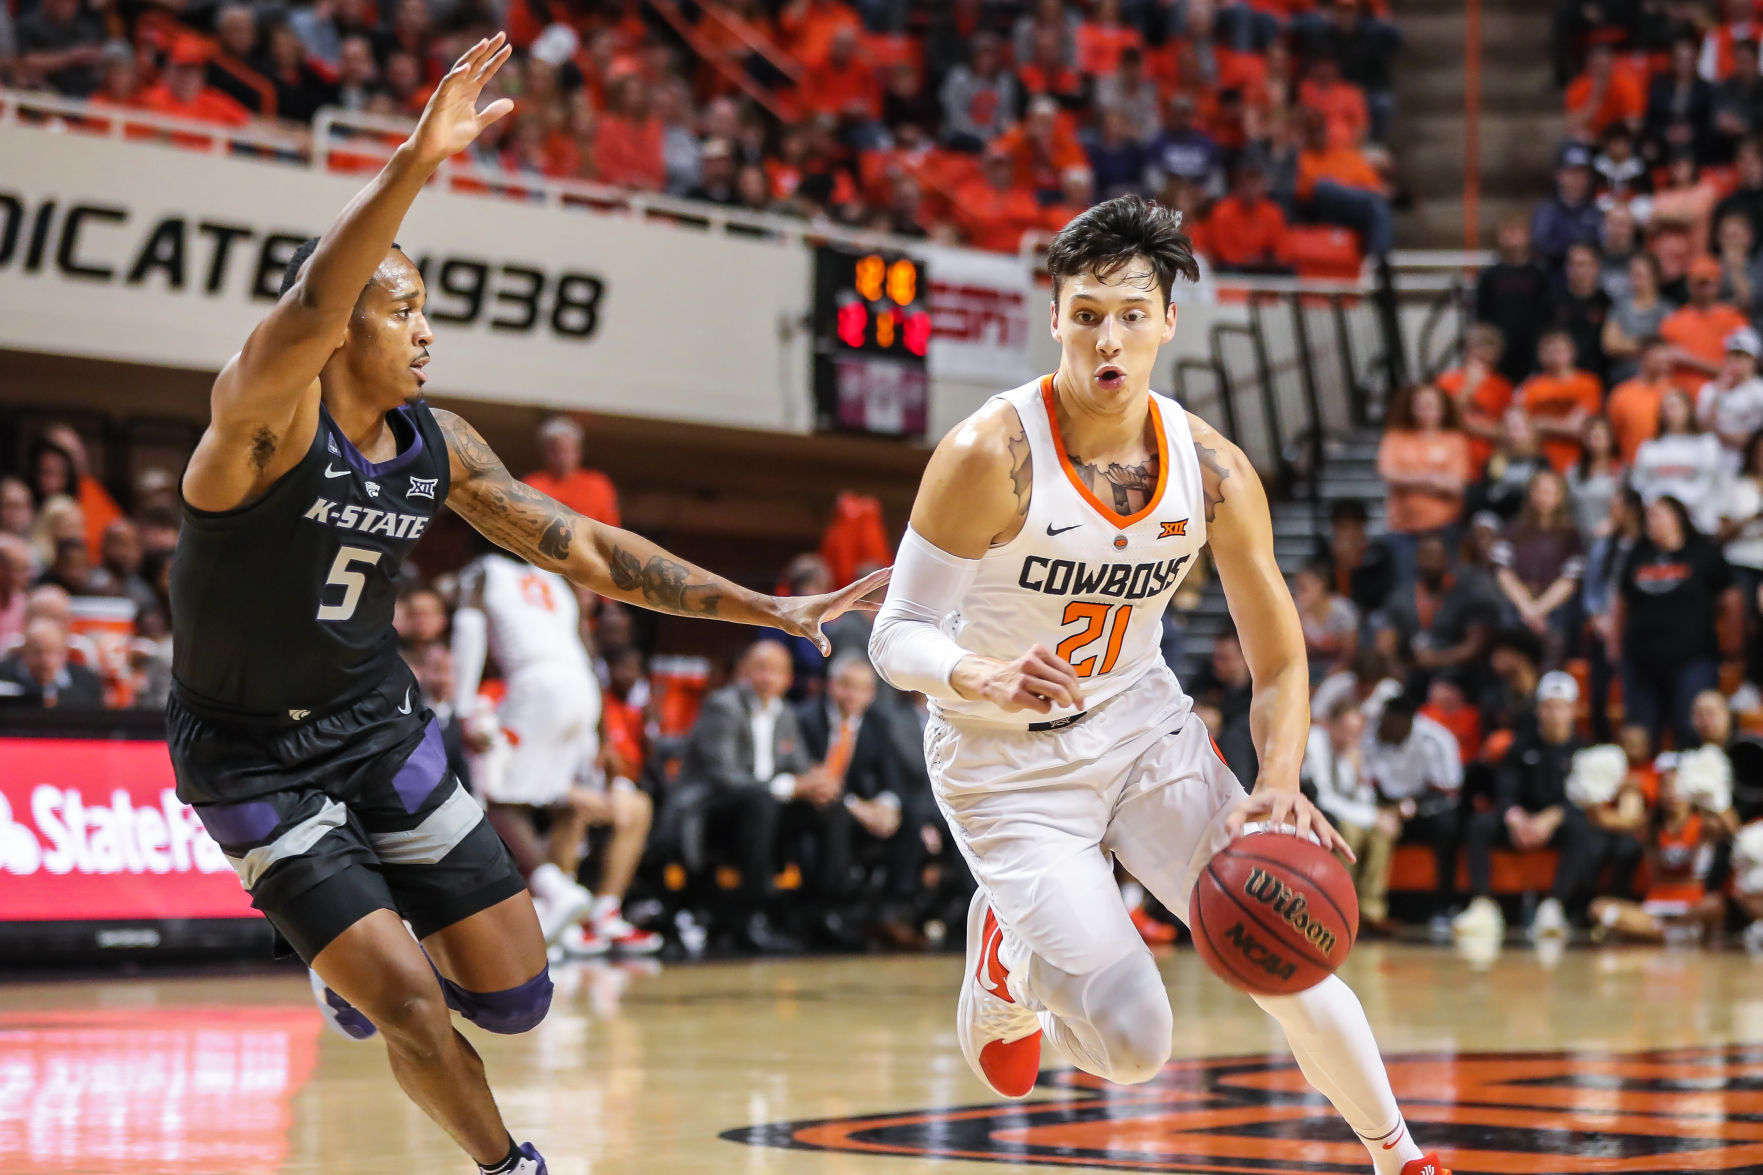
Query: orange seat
{"points": [[1324, 251]]}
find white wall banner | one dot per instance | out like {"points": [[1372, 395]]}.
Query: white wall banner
{"points": [[983, 310], [150, 254]]}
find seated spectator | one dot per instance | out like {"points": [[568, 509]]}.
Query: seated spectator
{"points": [[419, 615], [908, 109], [60, 520], [1414, 765], [1341, 103], [235, 29], [806, 575], [1117, 159], [432, 666], [1246, 231], [1330, 622], [760, 790], [1741, 530], [1686, 201], [1747, 198], [1679, 106], [1730, 405], [1559, 398], [1603, 96], [1570, 216], [120, 572], [1446, 621], [1736, 103], [979, 99], [184, 94], [586, 491], [1694, 814], [1531, 811], [627, 139], [1362, 568], [1633, 407], [716, 174], [1077, 192], [1222, 696], [60, 45], [1635, 316], [58, 465], [955, 31], [1048, 73], [1681, 462], [1333, 769], [1104, 38], [1448, 704], [1513, 295], [806, 28], [1676, 603], [1185, 151], [1424, 461], [18, 512], [1621, 184], [1133, 94], [15, 585], [1479, 391], [299, 89], [1366, 684], [1593, 482], [1365, 45], [1338, 185], [848, 735], [1580, 307], [1734, 249], [120, 88], [68, 568], [1539, 563], [992, 209], [1041, 147], [1049, 16], [40, 676]]}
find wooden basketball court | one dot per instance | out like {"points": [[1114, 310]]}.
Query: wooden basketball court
{"points": [[1620, 1060]]}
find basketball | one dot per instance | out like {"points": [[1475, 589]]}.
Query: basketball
{"points": [[1273, 913]]}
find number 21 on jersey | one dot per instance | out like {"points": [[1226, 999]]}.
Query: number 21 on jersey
{"points": [[1096, 620]]}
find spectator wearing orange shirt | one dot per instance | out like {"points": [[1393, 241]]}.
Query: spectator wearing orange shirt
{"points": [[1047, 73], [1341, 103], [992, 210], [1077, 191], [1424, 460], [844, 84], [1041, 148], [806, 28], [627, 139], [1603, 95], [1246, 229], [586, 491], [1481, 393], [184, 94], [1103, 38], [1633, 408], [1698, 331], [1559, 398], [1339, 186]]}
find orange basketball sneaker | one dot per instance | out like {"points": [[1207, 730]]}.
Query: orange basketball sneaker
{"points": [[999, 1037], [1427, 1164]]}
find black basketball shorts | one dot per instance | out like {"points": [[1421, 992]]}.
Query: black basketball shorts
{"points": [[342, 814]]}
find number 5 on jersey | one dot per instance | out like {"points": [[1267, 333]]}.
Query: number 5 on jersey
{"points": [[344, 575], [1096, 620]]}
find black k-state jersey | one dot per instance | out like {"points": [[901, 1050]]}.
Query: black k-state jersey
{"points": [[282, 608]]}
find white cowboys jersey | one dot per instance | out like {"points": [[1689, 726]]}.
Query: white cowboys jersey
{"points": [[1078, 578], [532, 615]]}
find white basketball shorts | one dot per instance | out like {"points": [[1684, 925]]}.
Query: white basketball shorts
{"points": [[550, 716], [1040, 814]]}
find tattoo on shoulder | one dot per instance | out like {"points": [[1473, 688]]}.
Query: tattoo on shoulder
{"points": [[1022, 470], [1213, 473], [508, 512], [263, 446], [665, 584]]}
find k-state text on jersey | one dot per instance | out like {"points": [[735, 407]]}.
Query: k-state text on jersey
{"points": [[367, 520], [1121, 581]]}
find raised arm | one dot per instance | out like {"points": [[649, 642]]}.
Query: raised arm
{"points": [[263, 389], [1240, 532], [614, 562]]}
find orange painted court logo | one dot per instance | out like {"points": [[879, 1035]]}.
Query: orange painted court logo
{"points": [[1650, 1113], [1173, 530]]}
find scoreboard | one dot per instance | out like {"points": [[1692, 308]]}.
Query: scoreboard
{"points": [[871, 338]]}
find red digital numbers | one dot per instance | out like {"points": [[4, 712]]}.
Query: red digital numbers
{"points": [[853, 323], [917, 332]]}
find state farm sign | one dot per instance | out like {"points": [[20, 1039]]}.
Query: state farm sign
{"points": [[93, 829]]}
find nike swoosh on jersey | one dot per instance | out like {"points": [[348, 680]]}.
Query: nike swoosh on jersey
{"points": [[405, 708], [329, 472], [1063, 529]]}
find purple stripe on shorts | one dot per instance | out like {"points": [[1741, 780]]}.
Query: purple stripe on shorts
{"points": [[423, 770], [239, 825]]}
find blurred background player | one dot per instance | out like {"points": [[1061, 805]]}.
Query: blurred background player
{"points": [[539, 752]]}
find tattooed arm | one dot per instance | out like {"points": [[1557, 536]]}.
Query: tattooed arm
{"points": [[610, 561], [1240, 530]]}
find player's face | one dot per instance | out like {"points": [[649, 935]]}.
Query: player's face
{"points": [[1109, 329], [389, 337]]}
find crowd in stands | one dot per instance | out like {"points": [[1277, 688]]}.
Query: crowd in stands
{"points": [[972, 121]]}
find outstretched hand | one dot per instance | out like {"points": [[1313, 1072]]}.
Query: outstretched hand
{"points": [[451, 120], [804, 615], [1287, 811]]}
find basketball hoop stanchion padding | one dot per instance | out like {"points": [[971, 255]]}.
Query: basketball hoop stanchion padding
{"points": [[1273, 913]]}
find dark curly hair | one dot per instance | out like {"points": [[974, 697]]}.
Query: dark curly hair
{"points": [[1114, 232]]}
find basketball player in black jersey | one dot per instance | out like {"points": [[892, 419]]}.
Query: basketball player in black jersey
{"points": [[295, 729]]}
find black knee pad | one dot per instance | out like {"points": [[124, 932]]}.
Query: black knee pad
{"points": [[507, 1013]]}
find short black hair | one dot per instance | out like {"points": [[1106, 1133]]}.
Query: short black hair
{"points": [[1348, 510], [302, 253], [1115, 231]]}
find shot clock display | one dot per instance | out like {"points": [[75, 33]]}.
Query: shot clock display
{"points": [[871, 336]]}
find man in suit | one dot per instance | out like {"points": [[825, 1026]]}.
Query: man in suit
{"points": [[850, 735], [40, 676], [762, 788]]}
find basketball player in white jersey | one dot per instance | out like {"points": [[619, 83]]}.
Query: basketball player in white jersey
{"points": [[1050, 530], [543, 743]]}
